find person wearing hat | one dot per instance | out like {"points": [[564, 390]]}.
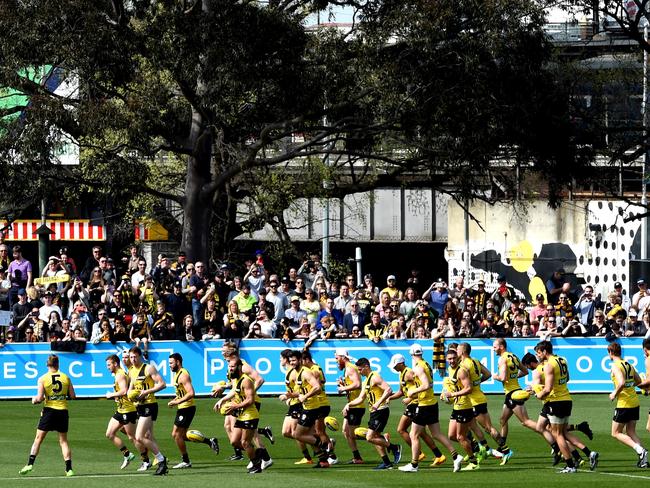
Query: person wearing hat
{"points": [[376, 392], [48, 307], [556, 284], [539, 310], [633, 326], [391, 288], [437, 296], [350, 385], [625, 299], [504, 293], [294, 313], [426, 414], [479, 297]]}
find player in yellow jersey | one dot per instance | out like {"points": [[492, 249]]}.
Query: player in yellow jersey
{"points": [[54, 389], [376, 392], [406, 383], [244, 408], [458, 386], [625, 380], [645, 385], [290, 397], [478, 373], [230, 351], [350, 385], [556, 391], [125, 416], [186, 409], [426, 412], [509, 370], [323, 408], [146, 381]]}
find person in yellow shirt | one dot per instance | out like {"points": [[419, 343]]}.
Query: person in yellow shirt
{"points": [[242, 405], [350, 385], [125, 415], [186, 409], [426, 413], [376, 392], [145, 381], [559, 404], [54, 390], [290, 398], [626, 414]]}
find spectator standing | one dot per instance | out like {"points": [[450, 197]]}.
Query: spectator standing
{"points": [[20, 273]]}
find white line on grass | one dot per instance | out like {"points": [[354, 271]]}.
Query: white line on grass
{"points": [[638, 476], [76, 476]]}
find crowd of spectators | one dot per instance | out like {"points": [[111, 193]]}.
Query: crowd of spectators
{"points": [[134, 301]]}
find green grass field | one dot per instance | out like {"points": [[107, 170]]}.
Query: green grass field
{"points": [[96, 461]]}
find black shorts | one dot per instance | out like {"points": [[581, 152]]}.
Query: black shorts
{"points": [[308, 417], [464, 416], [625, 415], [258, 405], [409, 411], [184, 417], [247, 424], [378, 420], [427, 415], [126, 418], [324, 411], [148, 410], [544, 411], [354, 416], [510, 403], [294, 411], [54, 420], [480, 409], [561, 409]]}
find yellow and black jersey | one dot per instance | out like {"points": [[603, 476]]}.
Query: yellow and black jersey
{"points": [[290, 383], [407, 385], [124, 405], [180, 391], [57, 390], [560, 391], [352, 394], [317, 371], [142, 381], [250, 412], [627, 397], [304, 388], [511, 381], [473, 367], [452, 383], [373, 392], [426, 397]]}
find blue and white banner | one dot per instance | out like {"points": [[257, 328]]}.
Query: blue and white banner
{"points": [[22, 364]]}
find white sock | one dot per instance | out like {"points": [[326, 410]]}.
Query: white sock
{"points": [[638, 448], [160, 457]]}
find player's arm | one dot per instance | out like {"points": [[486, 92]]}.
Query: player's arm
{"points": [[316, 387], [523, 370], [255, 376], [619, 382], [388, 391], [645, 384], [486, 374], [465, 382], [159, 382], [549, 376], [72, 395], [501, 375], [219, 387], [40, 393], [186, 382], [230, 395]]}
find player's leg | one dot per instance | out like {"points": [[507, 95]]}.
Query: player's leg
{"points": [[350, 422], [618, 433], [112, 429], [228, 426], [178, 434], [33, 452], [402, 428], [506, 413], [416, 432], [66, 452]]}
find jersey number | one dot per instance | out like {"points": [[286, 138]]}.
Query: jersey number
{"points": [[57, 386], [564, 370]]}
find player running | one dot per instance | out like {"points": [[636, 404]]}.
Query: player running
{"points": [[376, 391], [626, 415], [125, 416], [350, 384], [426, 413], [145, 382], [186, 409], [54, 389]]}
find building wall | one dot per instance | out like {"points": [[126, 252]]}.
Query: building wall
{"points": [[527, 242]]}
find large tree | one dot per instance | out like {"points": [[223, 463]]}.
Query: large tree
{"points": [[211, 103]]}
